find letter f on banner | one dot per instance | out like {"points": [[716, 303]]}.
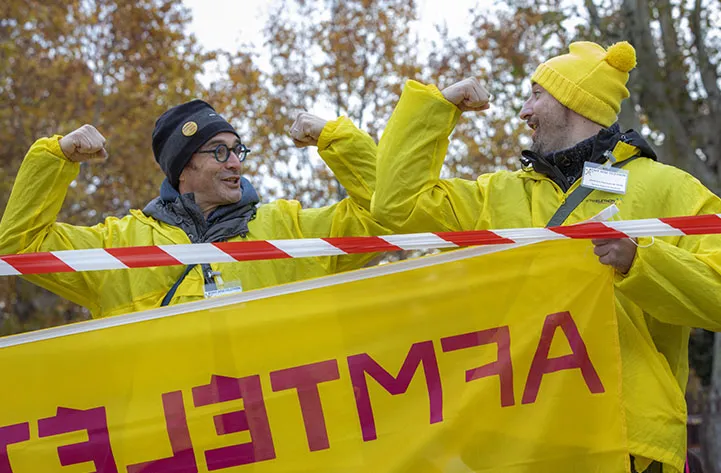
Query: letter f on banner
{"points": [[503, 367]]}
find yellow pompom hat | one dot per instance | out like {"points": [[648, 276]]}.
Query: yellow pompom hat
{"points": [[589, 80]]}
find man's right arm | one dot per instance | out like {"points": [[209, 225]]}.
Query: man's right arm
{"points": [[37, 196], [29, 221], [409, 195]]}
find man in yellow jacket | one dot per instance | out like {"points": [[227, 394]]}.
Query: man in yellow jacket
{"points": [[663, 286], [204, 199]]}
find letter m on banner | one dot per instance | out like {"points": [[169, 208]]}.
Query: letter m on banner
{"points": [[421, 353]]}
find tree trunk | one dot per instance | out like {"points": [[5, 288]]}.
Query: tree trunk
{"points": [[663, 92], [712, 419]]}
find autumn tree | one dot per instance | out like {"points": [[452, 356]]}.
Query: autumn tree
{"points": [[116, 65], [328, 56]]}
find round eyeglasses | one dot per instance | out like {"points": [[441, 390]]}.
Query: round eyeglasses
{"points": [[222, 152]]}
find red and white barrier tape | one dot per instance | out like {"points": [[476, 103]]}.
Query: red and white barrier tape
{"points": [[228, 252]]}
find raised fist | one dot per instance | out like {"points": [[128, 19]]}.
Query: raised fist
{"points": [[468, 94], [306, 130], [84, 144]]}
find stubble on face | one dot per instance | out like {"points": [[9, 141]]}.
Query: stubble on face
{"points": [[213, 184], [553, 130]]}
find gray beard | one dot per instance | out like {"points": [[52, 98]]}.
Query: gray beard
{"points": [[537, 148], [544, 149]]}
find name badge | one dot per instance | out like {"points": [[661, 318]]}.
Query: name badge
{"points": [[222, 289], [604, 178], [222, 292]]}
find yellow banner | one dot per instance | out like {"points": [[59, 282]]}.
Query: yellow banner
{"points": [[504, 362]]}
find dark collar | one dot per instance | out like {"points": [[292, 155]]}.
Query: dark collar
{"points": [[225, 222], [565, 167]]}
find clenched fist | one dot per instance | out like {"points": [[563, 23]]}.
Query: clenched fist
{"points": [[306, 130], [467, 95], [84, 144]]}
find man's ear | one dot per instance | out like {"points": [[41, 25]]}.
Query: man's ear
{"points": [[183, 176], [184, 173]]}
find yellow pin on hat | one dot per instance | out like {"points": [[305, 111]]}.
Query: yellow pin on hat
{"points": [[189, 128]]}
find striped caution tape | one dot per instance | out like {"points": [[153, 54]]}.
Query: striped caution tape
{"points": [[228, 252]]}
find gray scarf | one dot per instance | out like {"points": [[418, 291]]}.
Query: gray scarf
{"points": [[225, 222]]}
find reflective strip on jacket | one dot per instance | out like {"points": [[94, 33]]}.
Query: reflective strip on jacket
{"points": [[674, 284]]}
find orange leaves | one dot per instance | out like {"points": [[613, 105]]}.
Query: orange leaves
{"points": [[326, 56], [114, 64]]}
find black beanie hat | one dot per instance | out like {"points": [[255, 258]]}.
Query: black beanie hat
{"points": [[181, 131]]}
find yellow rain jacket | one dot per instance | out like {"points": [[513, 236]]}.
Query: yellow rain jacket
{"points": [[674, 284], [29, 225]]}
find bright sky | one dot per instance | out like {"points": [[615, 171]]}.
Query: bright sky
{"points": [[226, 24]]}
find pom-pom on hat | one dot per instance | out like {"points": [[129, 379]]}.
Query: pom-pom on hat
{"points": [[589, 80]]}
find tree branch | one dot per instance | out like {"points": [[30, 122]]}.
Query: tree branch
{"points": [[595, 18], [678, 147], [595, 22], [675, 70], [709, 76]]}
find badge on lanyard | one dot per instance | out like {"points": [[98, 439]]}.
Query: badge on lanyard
{"points": [[603, 177], [219, 287]]}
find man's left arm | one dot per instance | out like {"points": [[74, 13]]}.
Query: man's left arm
{"points": [[349, 152], [344, 219], [678, 283], [351, 155]]}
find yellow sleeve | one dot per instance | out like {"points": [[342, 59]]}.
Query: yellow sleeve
{"points": [[37, 196], [351, 155], [410, 196], [680, 283], [344, 219], [29, 222]]}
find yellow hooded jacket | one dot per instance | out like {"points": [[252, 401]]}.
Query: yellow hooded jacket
{"points": [[674, 284], [29, 225]]}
